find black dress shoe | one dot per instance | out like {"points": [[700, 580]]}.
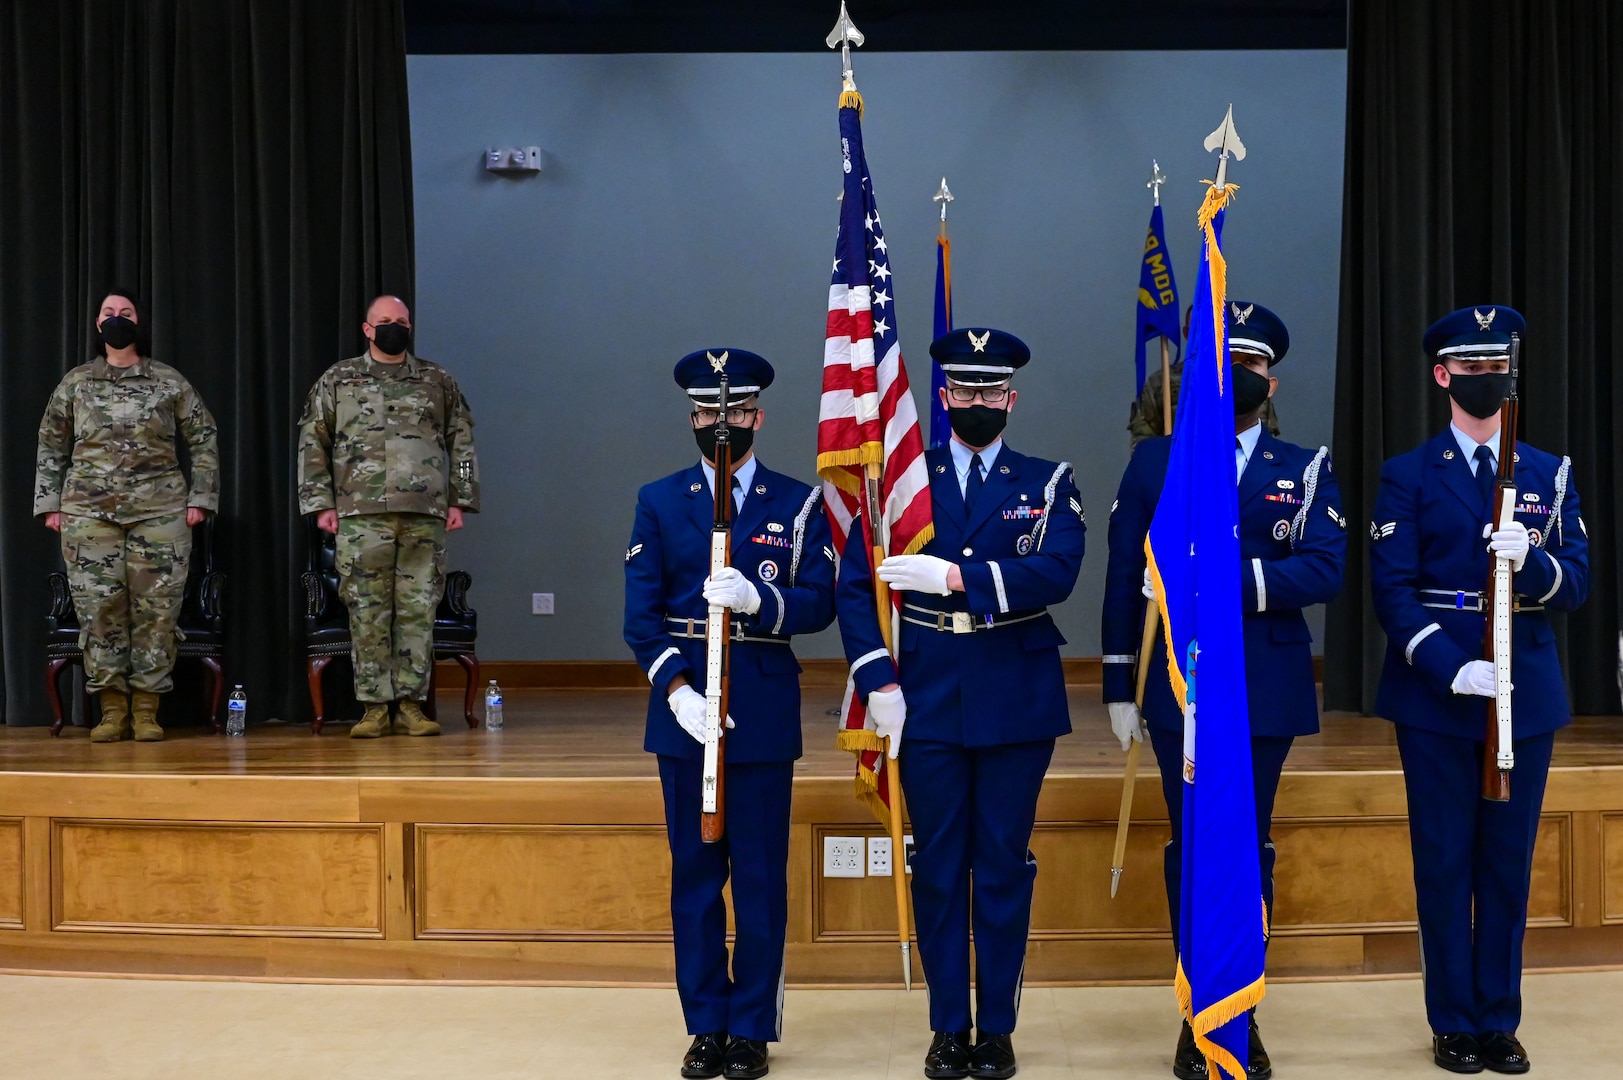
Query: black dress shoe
{"points": [[704, 1057], [1459, 1052], [949, 1056], [1502, 1053], [1257, 1065], [993, 1057], [746, 1058], [1188, 1063]]}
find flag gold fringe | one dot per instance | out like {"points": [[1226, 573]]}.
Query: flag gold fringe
{"points": [[851, 99], [1217, 199], [918, 542], [1215, 1016], [832, 465], [1180, 688], [867, 781]]}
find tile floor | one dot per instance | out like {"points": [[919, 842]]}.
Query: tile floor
{"points": [[123, 1029]]}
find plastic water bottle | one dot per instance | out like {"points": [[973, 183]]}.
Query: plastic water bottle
{"points": [[493, 707], [236, 717]]}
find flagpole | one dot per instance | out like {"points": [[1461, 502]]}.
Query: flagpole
{"points": [[1152, 621], [843, 36]]}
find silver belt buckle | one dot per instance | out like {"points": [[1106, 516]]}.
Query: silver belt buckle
{"points": [[962, 623]]}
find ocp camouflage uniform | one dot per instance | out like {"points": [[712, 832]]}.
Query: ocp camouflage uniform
{"points": [[390, 447], [107, 462], [1145, 422]]}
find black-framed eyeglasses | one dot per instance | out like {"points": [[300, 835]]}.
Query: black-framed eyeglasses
{"points": [[992, 395], [738, 417]]}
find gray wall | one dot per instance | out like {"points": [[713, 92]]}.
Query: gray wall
{"points": [[689, 201]]}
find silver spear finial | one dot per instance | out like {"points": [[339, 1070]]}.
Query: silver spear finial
{"points": [[943, 196], [844, 35], [1225, 139], [1157, 178]]}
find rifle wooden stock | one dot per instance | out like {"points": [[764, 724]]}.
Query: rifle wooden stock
{"points": [[718, 645], [1497, 756]]}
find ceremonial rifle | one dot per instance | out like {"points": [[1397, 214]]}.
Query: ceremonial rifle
{"points": [[718, 639], [1498, 753]]}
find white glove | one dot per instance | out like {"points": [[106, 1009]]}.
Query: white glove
{"points": [[1149, 586], [889, 713], [916, 573], [1511, 541], [1125, 722], [688, 706], [731, 589], [1476, 677]]}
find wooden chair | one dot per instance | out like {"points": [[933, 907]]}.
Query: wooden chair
{"points": [[326, 628], [202, 626]]}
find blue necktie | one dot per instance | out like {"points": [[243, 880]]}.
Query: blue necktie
{"points": [[972, 487], [738, 495], [1486, 477]]}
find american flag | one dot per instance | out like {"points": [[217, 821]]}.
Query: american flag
{"points": [[867, 415]]}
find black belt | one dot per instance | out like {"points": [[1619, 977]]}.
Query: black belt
{"points": [[700, 630], [1470, 600], [962, 622]]}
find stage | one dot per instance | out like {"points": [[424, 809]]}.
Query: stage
{"points": [[537, 855]]}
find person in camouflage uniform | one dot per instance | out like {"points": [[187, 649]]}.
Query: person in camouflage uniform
{"points": [[386, 461], [108, 479]]}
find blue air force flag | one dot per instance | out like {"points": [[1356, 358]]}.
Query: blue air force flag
{"points": [[1194, 556], [1157, 295]]}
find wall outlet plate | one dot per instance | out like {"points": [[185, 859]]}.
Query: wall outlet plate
{"points": [[879, 854], [842, 856], [541, 603]]}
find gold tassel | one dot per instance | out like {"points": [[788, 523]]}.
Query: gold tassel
{"points": [[851, 99]]}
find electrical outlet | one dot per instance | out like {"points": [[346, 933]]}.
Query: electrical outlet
{"points": [[842, 856], [907, 852], [541, 603], [879, 856]]}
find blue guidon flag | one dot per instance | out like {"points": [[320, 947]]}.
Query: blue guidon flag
{"points": [[1194, 550], [1157, 313]]}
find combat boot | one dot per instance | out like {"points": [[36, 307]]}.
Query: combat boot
{"points": [[413, 720], [115, 717], [373, 724], [145, 708]]}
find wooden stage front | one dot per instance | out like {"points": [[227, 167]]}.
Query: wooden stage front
{"points": [[538, 855]]}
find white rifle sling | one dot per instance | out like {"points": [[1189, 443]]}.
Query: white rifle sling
{"points": [[1502, 584], [716, 627]]}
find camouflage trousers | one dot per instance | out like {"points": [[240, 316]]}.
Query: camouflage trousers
{"points": [[127, 583], [391, 574]]}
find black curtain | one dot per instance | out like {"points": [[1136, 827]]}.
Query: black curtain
{"points": [[245, 164], [1484, 164]]}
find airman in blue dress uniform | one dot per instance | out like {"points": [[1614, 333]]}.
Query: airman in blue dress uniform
{"points": [[1430, 546], [1293, 542], [980, 689], [780, 583]]}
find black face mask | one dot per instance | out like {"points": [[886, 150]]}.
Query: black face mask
{"points": [[1480, 395], [739, 439], [1250, 390], [978, 425], [117, 332], [391, 338]]}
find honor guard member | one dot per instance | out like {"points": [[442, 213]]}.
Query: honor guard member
{"points": [[1430, 546], [386, 461], [109, 480], [1293, 545], [980, 689], [1146, 419], [780, 583]]}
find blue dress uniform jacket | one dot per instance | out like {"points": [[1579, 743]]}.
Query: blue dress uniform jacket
{"points": [[1020, 552], [984, 705], [1427, 548], [1293, 540], [781, 543], [1473, 858]]}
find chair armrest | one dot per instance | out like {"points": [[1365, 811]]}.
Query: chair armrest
{"points": [[457, 583], [61, 598], [211, 596], [315, 597]]}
